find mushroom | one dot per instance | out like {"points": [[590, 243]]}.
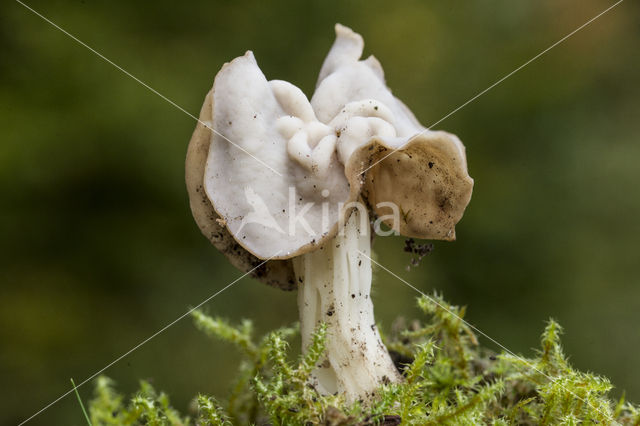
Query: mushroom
{"points": [[291, 184]]}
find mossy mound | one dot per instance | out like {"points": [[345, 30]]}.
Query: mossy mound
{"points": [[450, 380]]}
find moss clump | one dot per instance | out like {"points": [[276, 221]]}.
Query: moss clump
{"points": [[450, 380]]}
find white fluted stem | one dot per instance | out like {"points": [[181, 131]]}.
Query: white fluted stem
{"points": [[336, 288]]}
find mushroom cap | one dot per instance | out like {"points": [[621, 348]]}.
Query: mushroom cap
{"points": [[255, 178], [422, 172], [276, 273], [276, 158]]}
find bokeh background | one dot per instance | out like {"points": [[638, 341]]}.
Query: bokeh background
{"points": [[98, 249]]}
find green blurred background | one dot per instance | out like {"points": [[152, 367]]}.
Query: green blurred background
{"points": [[98, 249]]}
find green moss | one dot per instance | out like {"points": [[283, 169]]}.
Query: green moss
{"points": [[450, 380]]}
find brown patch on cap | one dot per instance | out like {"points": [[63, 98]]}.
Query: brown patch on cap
{"points": [[426, 178]]}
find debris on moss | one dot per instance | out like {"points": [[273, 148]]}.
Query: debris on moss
{"points": [[449, 380]]}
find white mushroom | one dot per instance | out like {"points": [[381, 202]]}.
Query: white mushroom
{"points": [[294, 182]]}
